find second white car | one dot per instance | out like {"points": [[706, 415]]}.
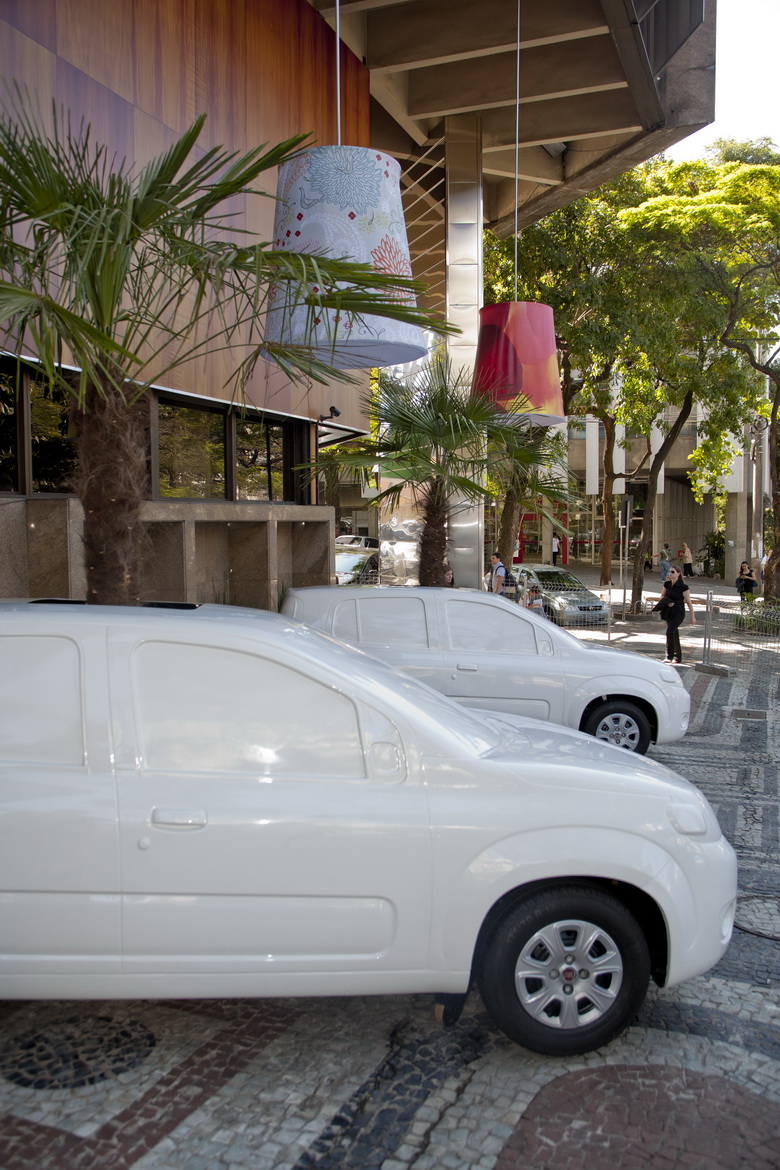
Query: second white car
{"points": [[487, 653]]}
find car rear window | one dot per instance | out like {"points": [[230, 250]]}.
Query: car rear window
{"points": [[40, 700], [384, 621]]}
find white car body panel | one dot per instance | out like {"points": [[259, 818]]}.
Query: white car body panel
{"points": [[510, 659], [259, 810]]}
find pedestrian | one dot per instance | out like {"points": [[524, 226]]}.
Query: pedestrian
{"points": [[534, 600], [449, 577], [765, 561], [686, 557], [498, 574], [664, 560], [746, 582], [556, 547], [671, 606]]}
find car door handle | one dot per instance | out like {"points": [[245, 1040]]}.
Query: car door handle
{"points": [[180, 818], [472, 666]]}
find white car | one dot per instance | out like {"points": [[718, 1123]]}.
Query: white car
{"points": [[222, 802], [486, 652]]}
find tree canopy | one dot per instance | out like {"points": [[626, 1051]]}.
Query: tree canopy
{"points": [[638, 331]]}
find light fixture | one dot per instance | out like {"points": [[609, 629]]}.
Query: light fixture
{"points": [[517, 357], [334, 412], [344, 202]]}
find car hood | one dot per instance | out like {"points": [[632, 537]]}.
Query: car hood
{"points": [[559, 750], [576, 595]]}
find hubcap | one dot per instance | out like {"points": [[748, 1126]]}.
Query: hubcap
{"points": [[568, 974], [620, 730]]}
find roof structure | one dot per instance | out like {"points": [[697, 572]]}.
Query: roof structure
{"points": [[604, 85]]}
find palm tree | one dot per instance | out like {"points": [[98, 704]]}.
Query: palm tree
{"points": [[126, 275], [433, 438], [529, 464]]}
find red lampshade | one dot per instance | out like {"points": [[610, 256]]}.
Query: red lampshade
{"points": [[517, 360]]}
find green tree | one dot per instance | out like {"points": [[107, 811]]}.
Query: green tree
{"points": [[128, 274], [726, 227], [637, 333]]}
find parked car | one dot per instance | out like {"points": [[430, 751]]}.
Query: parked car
{"points": [[567, 602], [486, 652], [357, 541], [356, 566], [219, 802]]}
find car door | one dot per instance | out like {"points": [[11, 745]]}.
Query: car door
{"points": [[399, 628], [501, 659], [59, 858], [269, 821]]}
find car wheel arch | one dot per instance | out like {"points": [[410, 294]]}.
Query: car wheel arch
{"points": [[644, 909], [644, 705]]}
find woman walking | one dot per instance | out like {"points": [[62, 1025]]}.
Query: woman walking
{"points": [[674, 598]]}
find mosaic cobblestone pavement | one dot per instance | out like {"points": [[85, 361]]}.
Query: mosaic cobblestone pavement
{"points": [[320, 1084]]}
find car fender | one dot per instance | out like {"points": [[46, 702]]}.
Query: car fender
{"points": [[627, 685], [462, 902]]}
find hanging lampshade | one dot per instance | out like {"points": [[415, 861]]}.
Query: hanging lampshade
{"points": [[344, 202], [517, 360]]}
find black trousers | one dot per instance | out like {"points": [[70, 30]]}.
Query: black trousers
{"points": [[673, 648]]}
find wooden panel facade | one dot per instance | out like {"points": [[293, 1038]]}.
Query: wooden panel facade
{"points": [[140, 71]]}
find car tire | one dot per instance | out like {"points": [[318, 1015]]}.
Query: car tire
{"points": [[576, 937], [549, 612], [620, 723]]}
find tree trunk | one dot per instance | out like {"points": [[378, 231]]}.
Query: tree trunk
{"points": [[607, 498], [654, 471], [111, 481], [433, 541], [509, 526], [771, 570]]}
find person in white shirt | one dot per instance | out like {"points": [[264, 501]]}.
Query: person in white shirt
{"points": [[498, 579]]}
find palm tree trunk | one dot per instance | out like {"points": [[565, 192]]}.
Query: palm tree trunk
{"points": [[509, 526], [111, 481], [433, 541], [607, 498]]}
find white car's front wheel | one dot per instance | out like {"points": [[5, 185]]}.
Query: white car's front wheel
{"points": [[565, 971], [620, 723]]}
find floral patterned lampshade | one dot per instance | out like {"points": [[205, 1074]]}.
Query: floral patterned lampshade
{"points": [[344, 202], [517, 360]]}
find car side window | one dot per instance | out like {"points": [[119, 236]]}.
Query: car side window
{"points": [[208, 709], [345, 621], [41, 719], [489, 629], [392, 621]]}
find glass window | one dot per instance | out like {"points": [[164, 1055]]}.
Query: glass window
{"points": [[392, 621], [481, 627], [53, 455], [345, 622], [9, 469], [259, 460], [40, 700], [205, 709], [192, 452]]}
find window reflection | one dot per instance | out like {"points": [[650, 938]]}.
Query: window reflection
{"points": [[259, 460], [9, 474], [53, 455], [192, 453]]}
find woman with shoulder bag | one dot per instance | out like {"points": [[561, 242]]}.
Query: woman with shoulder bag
{"points": [[674, 598]]}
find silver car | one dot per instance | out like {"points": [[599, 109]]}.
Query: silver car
{"points": [[567, 602]]}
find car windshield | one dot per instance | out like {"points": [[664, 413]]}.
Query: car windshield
{"points": [[449, 723], [351, 562], [553, 580]]}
